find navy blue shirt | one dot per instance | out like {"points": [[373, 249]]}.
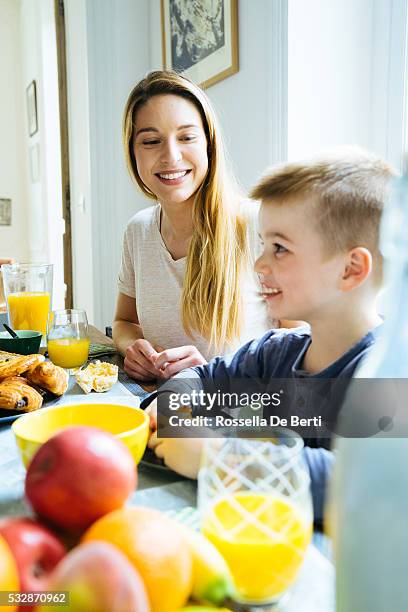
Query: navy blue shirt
{"points": [[279, 354]]}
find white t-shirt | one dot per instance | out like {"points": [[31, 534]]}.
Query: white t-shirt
{"points": [[150, 275]]}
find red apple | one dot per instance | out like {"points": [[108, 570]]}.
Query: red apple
{"points": [[35, 549], [79, 475], [99, 578]]}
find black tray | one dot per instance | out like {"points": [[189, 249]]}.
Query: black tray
{"points": [[9, 416]]}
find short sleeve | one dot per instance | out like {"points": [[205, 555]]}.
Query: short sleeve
{"points": [[126, 277]]}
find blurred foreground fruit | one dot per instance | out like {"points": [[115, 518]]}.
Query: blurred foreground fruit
{"points": [[99, 578], [203, 609], [155, 547], [35, 549], [8, 573], [79, 475], [212, 580]]}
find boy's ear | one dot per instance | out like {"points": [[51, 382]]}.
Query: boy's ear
{"points": [[357, 268]]}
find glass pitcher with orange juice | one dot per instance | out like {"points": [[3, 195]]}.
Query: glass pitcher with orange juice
{"points": [[28, 291], [255, 503], [67, 338]]}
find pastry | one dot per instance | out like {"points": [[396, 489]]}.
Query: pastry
{"points": [[99, 376], [17, 394], [18, 364], [49, 376], [5, 356]]}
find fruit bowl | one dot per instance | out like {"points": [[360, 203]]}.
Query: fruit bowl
{"points": [[128, 423]]}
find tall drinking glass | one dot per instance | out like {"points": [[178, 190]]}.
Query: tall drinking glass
{"points": [[255, 504], [28, 291], [67, 338]]}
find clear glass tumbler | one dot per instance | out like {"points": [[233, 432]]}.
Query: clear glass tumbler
{"points": [[28, 292], [67, 338], [255, 504]]}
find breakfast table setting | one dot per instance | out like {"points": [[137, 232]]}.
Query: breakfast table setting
{"points": [[72, 429], [160, 488]]}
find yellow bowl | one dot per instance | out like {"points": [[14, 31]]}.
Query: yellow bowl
{"points": [[128, 423]]}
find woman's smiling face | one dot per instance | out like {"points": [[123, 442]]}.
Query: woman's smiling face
{"points": [[170, 148]]}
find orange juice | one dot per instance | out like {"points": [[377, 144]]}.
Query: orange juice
{"points": [[29, 310], [263, 538], [68, 352]]}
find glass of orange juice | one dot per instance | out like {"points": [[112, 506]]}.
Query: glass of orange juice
{"points": [[255, 504], [67, 338], [28, 290]]}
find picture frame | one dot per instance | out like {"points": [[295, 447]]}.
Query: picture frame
{"points": [[31, 98], [200, 39], [5, 211]]}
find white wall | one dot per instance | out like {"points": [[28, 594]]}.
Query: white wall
{"points": [[13, 239], [113, 70], [330, 49], [389, 125], [107, 53], [43, 204], [51, 150], [79, 155], [346, 75]]}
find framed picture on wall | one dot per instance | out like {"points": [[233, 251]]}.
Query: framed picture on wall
{"points": [[31, 95], [200, 39], [5, 211]]}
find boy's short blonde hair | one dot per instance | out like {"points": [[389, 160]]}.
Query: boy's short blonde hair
{"points": [[348, 188]]}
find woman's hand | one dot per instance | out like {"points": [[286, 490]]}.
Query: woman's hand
{"points": [[174, 360], [140, 359]]}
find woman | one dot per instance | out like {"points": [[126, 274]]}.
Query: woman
{"points": [[186, 285]]}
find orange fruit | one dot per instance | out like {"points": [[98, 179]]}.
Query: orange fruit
{"points": [[155, 547], [8, 573]]}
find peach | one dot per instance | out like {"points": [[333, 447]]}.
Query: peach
{"points": [[98, 578]]}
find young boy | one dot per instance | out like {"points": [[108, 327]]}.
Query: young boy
{"points": [[319, 223]]}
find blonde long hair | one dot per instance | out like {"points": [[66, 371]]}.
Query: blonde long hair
{"points": [[211, 301]]}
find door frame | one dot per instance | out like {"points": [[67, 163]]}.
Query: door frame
{"points": [[65, 183]]}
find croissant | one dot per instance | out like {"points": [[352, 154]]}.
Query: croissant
{"points": [[5, 356], [17, 394], [17, 364], [49, 376]]}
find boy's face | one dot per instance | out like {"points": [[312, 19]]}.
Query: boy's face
{"points": [[298, 280]]}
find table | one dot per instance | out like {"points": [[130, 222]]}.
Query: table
{"points": [[98, 337], [169, 492]]}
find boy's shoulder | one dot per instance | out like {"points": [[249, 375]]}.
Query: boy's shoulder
{"points": [[272, 355], [284, 346], [276, 339]]}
